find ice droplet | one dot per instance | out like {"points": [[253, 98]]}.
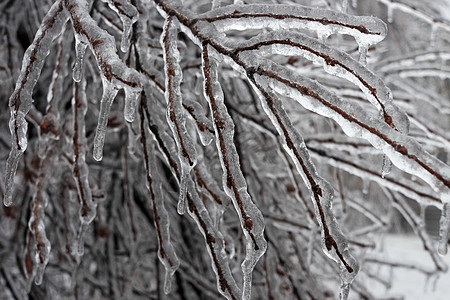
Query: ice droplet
{"points": [[443, 231]]}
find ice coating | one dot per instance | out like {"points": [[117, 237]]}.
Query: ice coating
{"points": [[49, 128], [334, 62], [20, 101], [37, 226], [175, 111], [168, 256], [205, 180], [403, 151], [226, 284], [166, 252], [258, 16], [443, 230], [233, 180], [114, 73], [80, 170], [109, 93], [128, 15], [357, 167], [334, 243], [204, 125], [310, 239]]}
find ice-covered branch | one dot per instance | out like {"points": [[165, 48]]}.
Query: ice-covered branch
{"points": [[115, 74], [21, 100], [175, 110], [233, 180]]}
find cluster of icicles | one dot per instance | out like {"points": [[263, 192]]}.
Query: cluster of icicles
{"points": [[252, 54]]}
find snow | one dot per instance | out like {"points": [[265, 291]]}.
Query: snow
{"points": [[410, 283]]}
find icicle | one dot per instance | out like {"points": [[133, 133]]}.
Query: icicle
{"points": [[354, 3], [109, 93], [234, 184], [215, 4], [443, 231], [423, 209], [80, 170], [131, 98], [128, 15], [366, 185], [434, 35], [166, 252], [390, 13], [11, 167], [20, 101], [175, 111], [387, 166], [216, 246], [80, 51], [127, 25], [168, 282], [362, 49]]}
